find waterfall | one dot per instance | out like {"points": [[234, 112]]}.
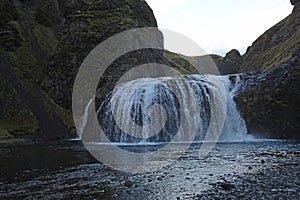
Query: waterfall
{"points": [[234, 127], [160, 109], [85, 118]]}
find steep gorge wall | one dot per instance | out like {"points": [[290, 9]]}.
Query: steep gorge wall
{"points": [[42, 45]]}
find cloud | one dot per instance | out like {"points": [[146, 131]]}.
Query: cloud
{"points": [[220, 24]]}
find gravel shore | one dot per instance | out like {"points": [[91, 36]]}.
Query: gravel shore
{"points": [[259, 170], [278, 178]]}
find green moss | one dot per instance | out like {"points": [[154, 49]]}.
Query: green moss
{"points": [[182, 66], [63, 114], [4, 134], [46, 39], [11, 141], [24, 62], [274, 47], [16, 25], [23, 123]]}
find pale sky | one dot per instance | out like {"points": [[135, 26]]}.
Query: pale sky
{"points": [[220, 25]]}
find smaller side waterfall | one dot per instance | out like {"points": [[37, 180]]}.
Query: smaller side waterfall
{"points": [[234, 127], [85, 118]]}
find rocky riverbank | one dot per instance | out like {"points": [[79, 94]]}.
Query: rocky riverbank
{"points": [[278, 178], [246, 170]]}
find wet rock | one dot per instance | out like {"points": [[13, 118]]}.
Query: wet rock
{"points": [[279, 197], [213, 184], [271, 90], [231, 63], [264, 186], [227, 186], [128, 183], [252, 180], [290, 190]]}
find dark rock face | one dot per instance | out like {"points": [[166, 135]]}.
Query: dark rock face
{"points": [[48, 13], [44, 43], [10, 39], [87, 25], [294, 2], [231, 63], [269, 100]]}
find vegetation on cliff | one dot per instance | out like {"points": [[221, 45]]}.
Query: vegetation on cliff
{"points": [[42, 44]]}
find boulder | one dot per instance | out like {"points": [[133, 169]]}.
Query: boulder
{"points": [[231, 63]]}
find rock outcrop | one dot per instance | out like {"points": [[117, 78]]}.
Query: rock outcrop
{"points": [[231, 63], [269, 100], [296, 3], [42, 45]]}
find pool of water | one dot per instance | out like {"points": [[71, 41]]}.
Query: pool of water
{"points": [[67, 170]]}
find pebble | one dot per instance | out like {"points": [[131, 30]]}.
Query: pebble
{"points": [[252, 180], [128, 183], [227, 186], [290, 190], [279, 197], [264, 185]]}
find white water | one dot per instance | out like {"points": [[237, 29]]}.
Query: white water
{"points": [[131, 106], [84, 119], [235, 127]]}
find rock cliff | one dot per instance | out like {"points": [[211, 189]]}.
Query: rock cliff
{"points": [[42, 45]]}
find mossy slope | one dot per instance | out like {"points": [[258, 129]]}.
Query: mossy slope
{"points": [[44, 42]]}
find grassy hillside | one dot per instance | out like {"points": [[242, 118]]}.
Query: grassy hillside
{"points": [[185, 65], [276, 45]]}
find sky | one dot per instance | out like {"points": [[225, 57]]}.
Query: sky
{"points": [[220, 25]]}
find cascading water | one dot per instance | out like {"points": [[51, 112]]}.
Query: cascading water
{"points": [[155, 110], [234, 127], [85, 118]]}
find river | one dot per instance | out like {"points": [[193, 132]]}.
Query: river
{"points": [[66, 170]]}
